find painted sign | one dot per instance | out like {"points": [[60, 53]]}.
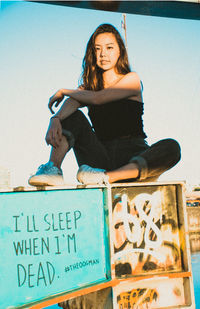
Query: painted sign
{"points": [[51, 242], [145, 230]]}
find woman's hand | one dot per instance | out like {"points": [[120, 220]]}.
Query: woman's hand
{"points": [[54, 132], [55, 99]]}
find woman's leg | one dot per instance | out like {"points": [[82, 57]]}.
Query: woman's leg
{"points": [[50, 174], [87, 148], [57, 154], [77, 134], [149, 164], [128, 171]]}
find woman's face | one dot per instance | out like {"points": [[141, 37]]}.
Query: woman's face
{"points": [[107, 51]]}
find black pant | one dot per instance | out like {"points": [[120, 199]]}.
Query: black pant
{"points": [[109, 155]]}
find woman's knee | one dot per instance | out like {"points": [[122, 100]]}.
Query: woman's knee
{"points": [[74, 119], [173, 148], [74, 126]]}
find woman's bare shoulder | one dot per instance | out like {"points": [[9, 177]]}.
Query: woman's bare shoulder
{"points": [[130, 79], [133, 77]]}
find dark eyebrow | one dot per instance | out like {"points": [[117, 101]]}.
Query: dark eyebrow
{"points": [[106, 44]]}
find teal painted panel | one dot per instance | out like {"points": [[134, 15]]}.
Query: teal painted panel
{"points": [[51, 242]]}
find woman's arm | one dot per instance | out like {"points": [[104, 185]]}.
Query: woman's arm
{"points": [[69, 107], [54, 132], [128, 86]]}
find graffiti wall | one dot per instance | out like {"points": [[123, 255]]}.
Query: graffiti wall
{"points": [[145, 231], [154, 294], [149, 259]]}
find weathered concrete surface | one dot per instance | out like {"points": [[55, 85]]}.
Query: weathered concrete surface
{"points": [[193, 219], [193, 214]]}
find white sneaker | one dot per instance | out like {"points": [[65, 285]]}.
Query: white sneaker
{"points": [[47, 175], [88, 175]]}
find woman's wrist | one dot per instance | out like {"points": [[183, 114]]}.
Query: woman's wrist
{"points": [[54, 117]]}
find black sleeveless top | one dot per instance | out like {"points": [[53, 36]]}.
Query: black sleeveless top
{"points": [[117, 119]]}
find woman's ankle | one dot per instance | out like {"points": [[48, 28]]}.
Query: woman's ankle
{"points": [[129, 171], [55, 163]]}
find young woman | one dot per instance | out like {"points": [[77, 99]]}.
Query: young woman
{"points": [[114, 147]]}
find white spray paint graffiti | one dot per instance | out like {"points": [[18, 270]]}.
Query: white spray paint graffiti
{"points": [[137, 233]]}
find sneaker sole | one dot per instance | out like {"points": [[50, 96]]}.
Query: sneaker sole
{"points": [[45, 180], [91, 176]]}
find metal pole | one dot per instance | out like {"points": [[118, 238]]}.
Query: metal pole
{"points": [[124, 27]]}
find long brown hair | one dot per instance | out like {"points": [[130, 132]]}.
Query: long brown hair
{"points": [[92, 78]]}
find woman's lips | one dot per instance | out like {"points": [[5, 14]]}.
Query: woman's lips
{"points": [[104, 62]]}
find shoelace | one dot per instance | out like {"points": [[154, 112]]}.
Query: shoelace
{"points": [[42, 166], [46, 168]]}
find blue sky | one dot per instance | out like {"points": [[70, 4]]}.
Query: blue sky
{"points": [[42, 47]]}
